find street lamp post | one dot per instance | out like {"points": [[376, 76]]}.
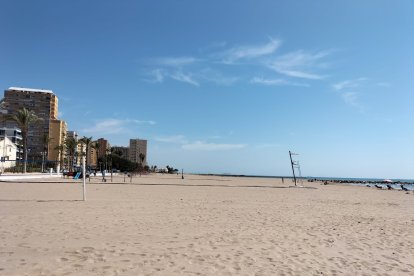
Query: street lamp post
{"points": [[43, 160]]}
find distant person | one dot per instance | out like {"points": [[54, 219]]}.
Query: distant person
{"points": [[103, 176], [283, 180]]}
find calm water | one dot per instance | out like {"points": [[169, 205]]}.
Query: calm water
{"points": [[376, 181]]}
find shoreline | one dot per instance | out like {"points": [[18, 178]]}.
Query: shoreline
{"points": [[322, 179]]}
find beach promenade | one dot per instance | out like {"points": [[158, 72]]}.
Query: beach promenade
{"points": [[203, 225]]}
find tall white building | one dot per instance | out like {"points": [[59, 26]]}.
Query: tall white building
{"points": [[138, 149]]}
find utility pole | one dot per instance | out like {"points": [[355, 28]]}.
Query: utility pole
{"points": [[84, 177], [293, 169]]}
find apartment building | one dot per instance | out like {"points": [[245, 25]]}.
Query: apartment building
{"points": [[92, 155], [57, 136], [44, 103], [104, 147], [138, 149], [121, 151]]}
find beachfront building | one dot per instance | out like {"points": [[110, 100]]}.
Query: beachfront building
{"points": [[104, 147], [79, 149], [122, 152], [8, 151], [15, 135], [57, 136], [92, 155], [44, 103], [138, 148]]}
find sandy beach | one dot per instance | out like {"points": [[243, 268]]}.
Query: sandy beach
{"points": [[203, 225]]}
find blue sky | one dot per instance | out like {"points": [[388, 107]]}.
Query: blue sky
{"points": [[227, 86]]}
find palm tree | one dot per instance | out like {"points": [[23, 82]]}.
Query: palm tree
{"points": [[60, 149], [95, 146], [24, 119], [142, 158], [45, 140], [87, 141], [71, 144]]}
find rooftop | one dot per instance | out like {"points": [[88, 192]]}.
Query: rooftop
{"points": [[30, 90]]}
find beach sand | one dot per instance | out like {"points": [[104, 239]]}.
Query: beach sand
{"points": [[203, 225]]}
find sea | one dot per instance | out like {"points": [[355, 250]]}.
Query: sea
{"points": [[363, 182]]}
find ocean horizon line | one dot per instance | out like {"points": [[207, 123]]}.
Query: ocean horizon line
{"points": [[310, 177]]}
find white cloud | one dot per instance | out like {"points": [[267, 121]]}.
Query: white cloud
{"points": [[203, 146], [113, 126], [209, 68], [216, 77], [259, 80], [140, 122], [249, 52], [348, 84], [158, 75], [350, 98], [268, 81], [299, 64], [175, 61], [176, 139], [106, 126], [187, 78]]}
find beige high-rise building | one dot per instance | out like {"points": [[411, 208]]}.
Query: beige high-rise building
{"points": [[57, 136], [92, 155], [44, 103], [104, 147], [138, 148]]}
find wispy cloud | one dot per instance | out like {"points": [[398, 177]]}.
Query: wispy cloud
{"points": [[176, 139], [300, 64], [175, 61], [186, 144], [106, 126], [157, 76], [203, 146], [276, 82], [214, 76], [249, 52], [347, 84], [350, 98], [187, 78], [225, 65], [113, 126], [141, 122]]}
